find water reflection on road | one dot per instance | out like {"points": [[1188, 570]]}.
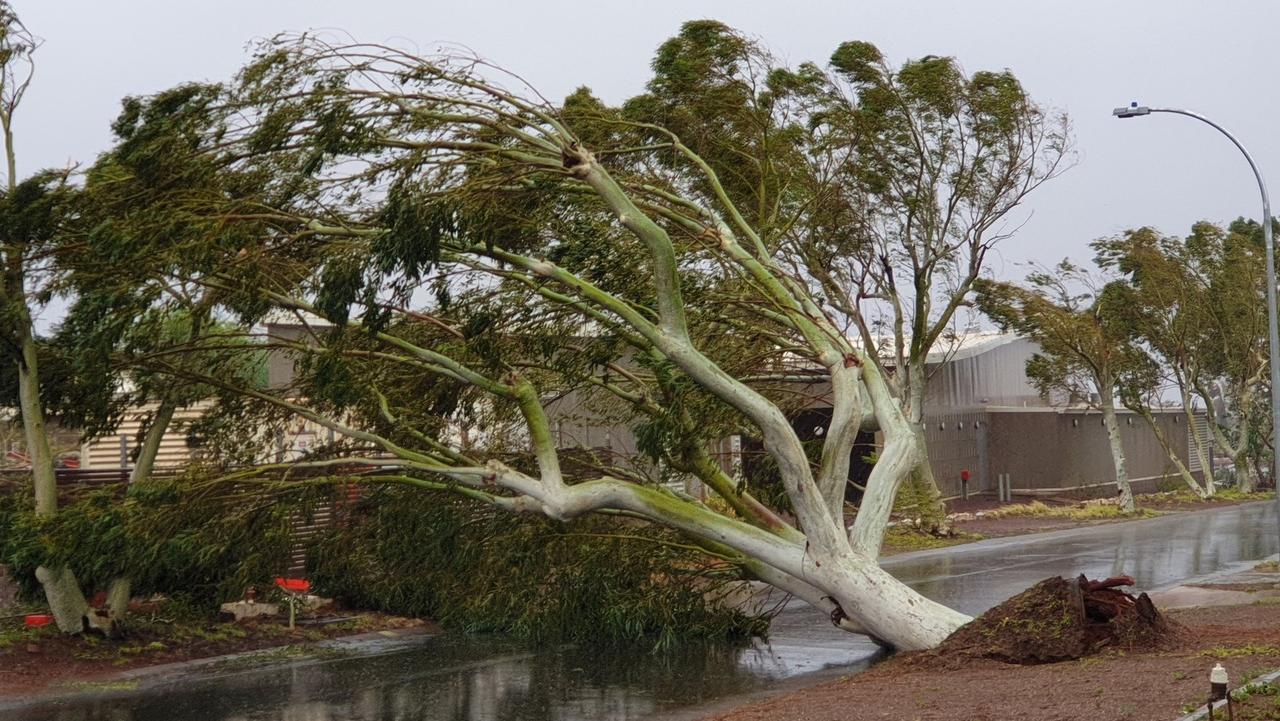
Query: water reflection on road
{"points": [[1156, 552], [456, 678]]}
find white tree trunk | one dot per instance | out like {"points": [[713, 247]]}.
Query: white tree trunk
{"points": [[1246, 477], [873, 599], [61, 590], [888, 608], [1171, 453], [931, 510], [1117, 448], [1199, 445], [66, 602]]}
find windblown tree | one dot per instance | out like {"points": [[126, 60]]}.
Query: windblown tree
{"points": [[1084, 349], [476, 254], [1235, 388], [1195, 303], [102, 339], [1163, 304], [32, 212], [939, 162]]}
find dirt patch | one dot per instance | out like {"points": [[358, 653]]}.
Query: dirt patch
{"points": [[1245, 587], [1114, 685], [35, 659]]}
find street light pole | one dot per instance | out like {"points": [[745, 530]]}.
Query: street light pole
{"points": [[1133, 111]]}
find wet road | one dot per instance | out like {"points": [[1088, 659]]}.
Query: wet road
{"points": [[459, 678], [1157, 552]]}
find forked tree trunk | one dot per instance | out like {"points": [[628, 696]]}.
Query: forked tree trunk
{"points": [[1199, 445]]}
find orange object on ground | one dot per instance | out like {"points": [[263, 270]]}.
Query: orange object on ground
{"points": [[294, 585], [37, 620]]}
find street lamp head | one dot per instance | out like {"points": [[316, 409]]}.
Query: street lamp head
{"points": [[1133, 111]]}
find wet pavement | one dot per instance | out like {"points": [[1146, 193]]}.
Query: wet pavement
{"points": [[1157, 552], [456, 678]]}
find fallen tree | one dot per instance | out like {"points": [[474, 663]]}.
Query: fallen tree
{"points": [[469, 270]]}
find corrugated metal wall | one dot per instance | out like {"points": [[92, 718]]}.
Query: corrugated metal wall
{"points": [[114, 451]]}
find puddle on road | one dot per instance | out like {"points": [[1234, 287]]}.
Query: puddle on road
{"points": [[474, 678]]}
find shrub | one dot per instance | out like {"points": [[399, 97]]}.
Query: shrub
{"points": [[429, 554], [175, 536]]}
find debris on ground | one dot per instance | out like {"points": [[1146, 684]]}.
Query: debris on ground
{"points": [[1058, 620]]}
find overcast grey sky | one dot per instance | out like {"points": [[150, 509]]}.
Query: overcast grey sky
{"points": [[1084, 57]]}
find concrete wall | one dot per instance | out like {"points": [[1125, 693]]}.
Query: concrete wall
{"points": [[959, 441], [1051, 450]]}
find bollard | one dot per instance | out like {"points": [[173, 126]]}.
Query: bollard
{"points": [[964, 485], [1004, 488], [1218, 690]]}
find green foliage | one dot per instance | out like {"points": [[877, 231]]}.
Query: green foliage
{"points": [[180, 536], [427, 554]]}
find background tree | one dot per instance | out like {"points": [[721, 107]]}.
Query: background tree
{"points": [[1084, 351], [881, 187], [1235, 388], [1194, 304], [1163, 303], [31, 213], [927, 165]]}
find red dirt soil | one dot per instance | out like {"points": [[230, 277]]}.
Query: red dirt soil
{"points": [[1113, 685], [1056, 620]]}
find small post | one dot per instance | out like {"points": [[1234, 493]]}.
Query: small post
{"points": [[964, 484], [1218, 689]]}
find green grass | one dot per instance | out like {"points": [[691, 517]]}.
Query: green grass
{"points": [[903, 538], [18, 633], [1255, 689], [100, 686], [284, 654], [1090, 512], [1185, 495], [1238, 651]]}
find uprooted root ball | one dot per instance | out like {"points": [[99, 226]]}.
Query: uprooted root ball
{"points": [[1059, 620]]}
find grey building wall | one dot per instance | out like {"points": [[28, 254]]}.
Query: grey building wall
{"points": [[1069, 450]]}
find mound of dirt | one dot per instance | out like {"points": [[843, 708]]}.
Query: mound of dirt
{"points": [[1059, 620]]}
